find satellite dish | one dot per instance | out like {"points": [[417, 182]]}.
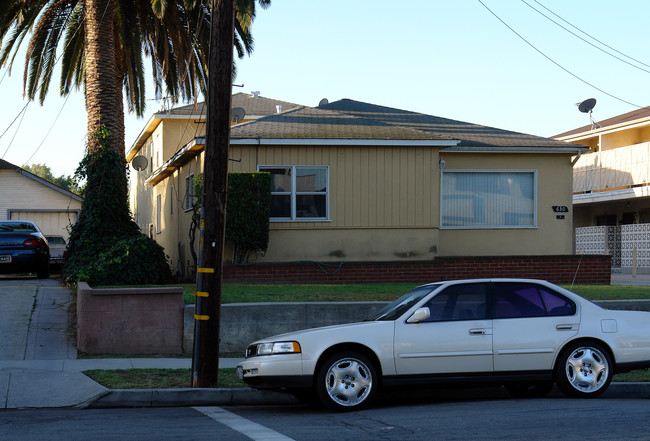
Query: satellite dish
{"points": [[323, 102], [237, 114], [587, 105], [139, 163]]}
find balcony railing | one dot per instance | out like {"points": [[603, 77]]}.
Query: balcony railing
{"points": [[623, 167]]}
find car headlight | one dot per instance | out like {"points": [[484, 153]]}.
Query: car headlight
{"points": [[270, 348]]}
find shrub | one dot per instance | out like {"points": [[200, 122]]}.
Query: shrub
{"points": [[105, 245]]}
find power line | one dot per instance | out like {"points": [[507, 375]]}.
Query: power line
{"points": [[555, 62], [586, 41], [592, 37]]}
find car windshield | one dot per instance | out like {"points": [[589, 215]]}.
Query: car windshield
{"points": [[55, 240], [398, 307], [17, 227]]}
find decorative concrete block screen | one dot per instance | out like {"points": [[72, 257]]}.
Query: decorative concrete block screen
{"points": [[130, 320], [618, 241], [635, 237]]}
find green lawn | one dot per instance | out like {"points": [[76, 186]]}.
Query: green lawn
{"points": [[244, 293], [156, 378]]}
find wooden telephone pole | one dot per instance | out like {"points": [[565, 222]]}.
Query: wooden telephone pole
{"points": [[205, 359]]}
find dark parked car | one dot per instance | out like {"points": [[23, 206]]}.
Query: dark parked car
{"points": [[23, 249], [57, 248]]}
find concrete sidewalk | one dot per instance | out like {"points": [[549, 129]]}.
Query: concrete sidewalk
{"points": [[61, 384]]}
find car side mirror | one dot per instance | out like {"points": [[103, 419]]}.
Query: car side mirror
{"points": [[419, 315]]}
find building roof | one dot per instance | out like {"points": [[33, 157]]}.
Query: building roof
{"points": [[349, 119], [255, 106], [4, 165], [629, 117]]}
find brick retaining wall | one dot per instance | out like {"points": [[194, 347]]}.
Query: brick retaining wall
{"points": [[586, 269]]}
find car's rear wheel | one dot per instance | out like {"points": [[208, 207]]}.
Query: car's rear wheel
{"points": [[584, 370], [347, 381], [536, 389]]}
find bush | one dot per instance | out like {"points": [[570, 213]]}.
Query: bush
{"points": [[105, 245], [247, 213]]}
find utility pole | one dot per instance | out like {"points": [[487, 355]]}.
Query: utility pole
{"points": [[205, 359]]}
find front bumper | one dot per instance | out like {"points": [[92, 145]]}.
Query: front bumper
{"points": [[275, 372]]}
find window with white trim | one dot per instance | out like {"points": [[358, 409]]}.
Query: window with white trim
{"points": [[299, 192], [189, 193], [488, 199]]}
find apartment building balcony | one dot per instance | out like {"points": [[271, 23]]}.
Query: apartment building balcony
{"points": [[612, 175]]}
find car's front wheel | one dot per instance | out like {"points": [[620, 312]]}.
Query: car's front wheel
{"points": [[347, 381], [584, 370]]}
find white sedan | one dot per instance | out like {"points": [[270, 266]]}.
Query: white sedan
{"points": [[525, 334]]}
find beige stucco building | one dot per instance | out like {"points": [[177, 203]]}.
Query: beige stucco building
{"points": [[26, 196], [359, 182]]}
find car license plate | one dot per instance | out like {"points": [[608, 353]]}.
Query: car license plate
{"points": [[5, 259], [240, 373]]}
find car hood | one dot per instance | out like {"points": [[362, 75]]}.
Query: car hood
{"points": [[353, 328]]}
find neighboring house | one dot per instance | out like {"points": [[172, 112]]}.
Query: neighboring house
{"points": [[359, 182], [28, 197], [611, 188]]}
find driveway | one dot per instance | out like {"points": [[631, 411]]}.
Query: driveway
{"points": [[34, 319]]}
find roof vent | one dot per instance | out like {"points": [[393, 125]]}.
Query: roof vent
{"points": [[255, 93], [278, 108]]}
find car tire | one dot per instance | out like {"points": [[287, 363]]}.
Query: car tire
{"points": [[347, 381], [584, 370], [538, 389]]}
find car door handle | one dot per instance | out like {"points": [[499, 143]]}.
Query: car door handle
{"points": [[564, 327], [480, 332]]}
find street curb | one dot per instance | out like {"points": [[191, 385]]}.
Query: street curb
{"points": [[189, 397], [246, 396]]}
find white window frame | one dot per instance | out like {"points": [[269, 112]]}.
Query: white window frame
{"points": [[293, 193], [490, 227], [189, 192]]}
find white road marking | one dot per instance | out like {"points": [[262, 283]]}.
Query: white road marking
{"points": [[242, 425]]}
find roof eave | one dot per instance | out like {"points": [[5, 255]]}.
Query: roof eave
{"points": [[346, 142], [573, 150]]}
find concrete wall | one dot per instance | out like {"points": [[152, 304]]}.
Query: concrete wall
{"points": [[243, 323], [130, 320]]}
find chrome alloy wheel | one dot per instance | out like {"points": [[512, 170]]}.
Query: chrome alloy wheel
{"points": [[348, 381], [587, 369]]}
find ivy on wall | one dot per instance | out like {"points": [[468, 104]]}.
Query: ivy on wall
{"points": [[105, 245]]}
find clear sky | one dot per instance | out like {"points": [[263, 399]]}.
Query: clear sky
{"points": [[446, 58]]}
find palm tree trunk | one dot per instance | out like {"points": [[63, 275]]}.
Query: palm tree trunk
{"points": [[103, 95]]}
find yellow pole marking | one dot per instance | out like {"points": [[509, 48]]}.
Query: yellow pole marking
{"points": [[200, 293], [201, 317], [205, 270]]}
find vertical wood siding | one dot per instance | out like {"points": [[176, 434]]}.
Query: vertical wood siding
{"points": [[369, 186]]}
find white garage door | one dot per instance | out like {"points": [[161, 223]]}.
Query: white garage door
{"points": [[49, 222]]}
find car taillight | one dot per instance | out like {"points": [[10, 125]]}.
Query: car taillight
{"points": [[33, 243]]}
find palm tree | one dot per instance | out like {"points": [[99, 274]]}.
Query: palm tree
{"points": [[102, 44]]}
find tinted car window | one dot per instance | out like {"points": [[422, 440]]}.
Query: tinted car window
{"points": [[459, 302], [17, 227], [529, 300], [393, 310]]}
